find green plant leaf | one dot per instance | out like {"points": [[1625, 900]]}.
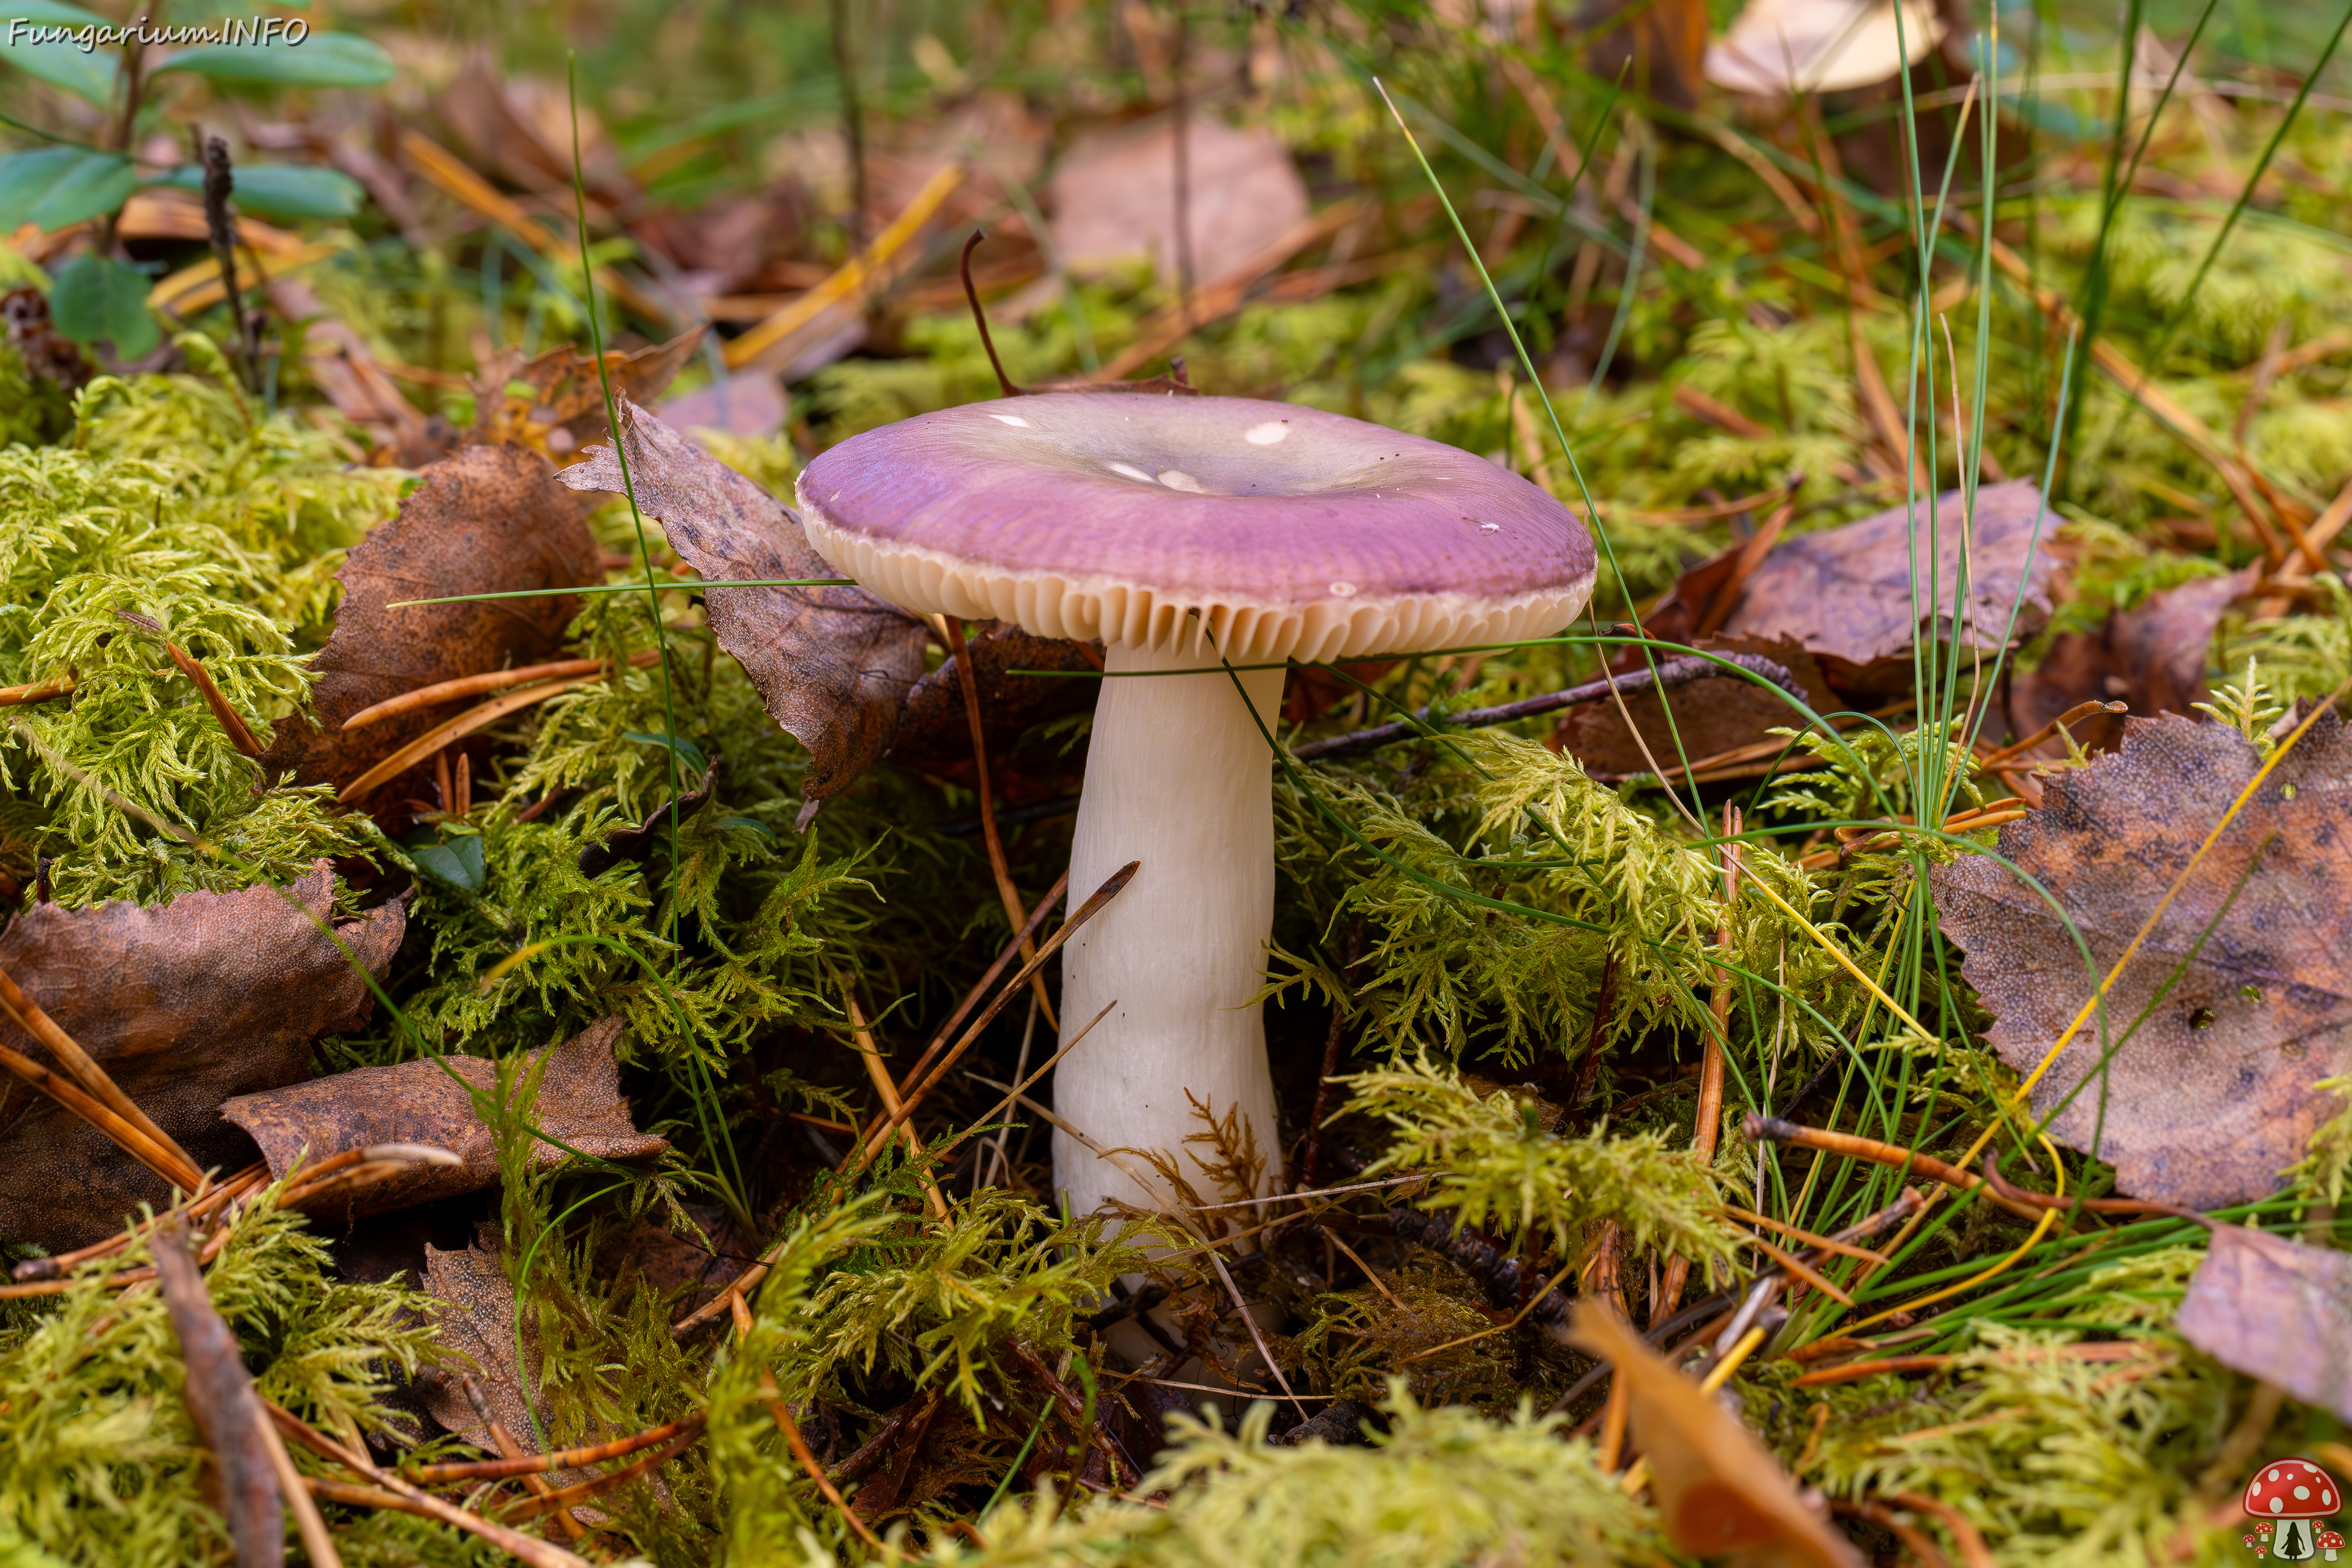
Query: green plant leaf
{"points": [[457, 863], [687, 752], [53, 186], [280, 190], [320, 60], [88, 74], [97, 297]]}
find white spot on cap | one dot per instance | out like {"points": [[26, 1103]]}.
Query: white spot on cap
{"points": [[2303, 1494], [1013, 419], [1343, 590], [2277, 1503], [1178, 479], [1131, 471], [1268, 434]]}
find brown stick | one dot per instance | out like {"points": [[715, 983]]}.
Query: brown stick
{"points": [[169, 1164], [514, 1544], [226, 1191], [2075, 715], [871, 1055], [457, 729], [1965, 1533], [504, 1442], [34, 1021], [559, 1503], [781, 1414], [539, 1464], [1725, 597], [1112, 887], [35, 691], [491, 680], [1854, 1370], [960, 651]]}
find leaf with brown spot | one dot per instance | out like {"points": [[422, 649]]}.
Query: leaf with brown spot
{"points": [[1719, 1492], [238, 1479], [185, 1004], [2211, 1097], [833, 665], [485, 519], [579, 1104], [2152, 657], [478, 1320], [1845, 595], [2277, 1311]]}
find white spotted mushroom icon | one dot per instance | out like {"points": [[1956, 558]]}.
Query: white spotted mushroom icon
{"points": [[2295, 1494]]}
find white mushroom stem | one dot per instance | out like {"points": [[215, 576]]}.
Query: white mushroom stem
{"points": [[1178, 777]]}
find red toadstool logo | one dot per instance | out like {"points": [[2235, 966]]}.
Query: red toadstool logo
{"points": [[2292, 1499]]}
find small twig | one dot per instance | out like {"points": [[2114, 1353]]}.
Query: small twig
{"points": [[491, 680], [504, 1442], [561, 1503], [780, 1413], [1217, 1260], [879, 1073], [2073, 716], [1017, 1090], [35, 691], [541, 1464], [1673, 672], [231, 721], [979, 317], [1854, 1370]]}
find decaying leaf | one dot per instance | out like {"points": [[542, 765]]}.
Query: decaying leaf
{"points": [[833, 665], [2212, 1096], [1713, 715], [1657, 44], [185, 1004], [1845, 593], [654, 833], [1114, 197], [579, 1104], [555, 403], [2152, 657], [478, 1320], [239, 1479], [485, 519], [2276, 1309], [1719, 1492], [935, 730]]}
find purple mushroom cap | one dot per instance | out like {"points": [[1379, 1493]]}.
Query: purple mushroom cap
{"points": [[1288, 531]]}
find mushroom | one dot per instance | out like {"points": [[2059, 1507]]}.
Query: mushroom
{"points": [[2292, 1493], [2331, 1543], [1778, 48], [1188, 533]]}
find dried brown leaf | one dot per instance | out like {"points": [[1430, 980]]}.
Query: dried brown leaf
{"points": [[555, 403], [2212, 1096], [833, 665], [579, 1104], [1845, 595], [935, 729], [2152, 657], [1719, 1490], [2276, 1309], [1660, 45], [485, 520], [1713, 715], [478, 1320], [239, 1479], [185, 1004], [1114, 197]]}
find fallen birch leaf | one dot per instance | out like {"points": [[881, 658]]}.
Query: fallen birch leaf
{"points": [[238, 1480], [2152, 657], [1715, 714], [478, 1320], [555, 403], [485, 520], [2211, 1097], [1845, 593], [185, 1004], [1114, 197], [2276, 1309], [1719, 1490], [833, 665], [579, 1104]]}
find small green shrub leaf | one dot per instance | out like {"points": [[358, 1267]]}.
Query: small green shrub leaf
{"points": [[97, 298]]}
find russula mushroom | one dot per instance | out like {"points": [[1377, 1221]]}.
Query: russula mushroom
{"points": [[1776, 48], [2292, 1493], [1186, 533]]}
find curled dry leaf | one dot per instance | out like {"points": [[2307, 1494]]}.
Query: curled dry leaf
{"points": [[239, 1479], [579, 1104], [653, 833], [935, 730], [1713, 715], [485, 519], [2152, 657], [2212, 1096], [1721, 1492], [185, 1004], [1845, 595], [833, 665], [2276, 1309]]}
